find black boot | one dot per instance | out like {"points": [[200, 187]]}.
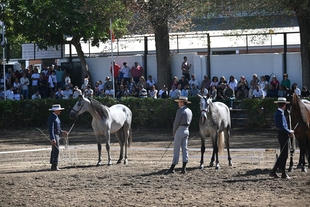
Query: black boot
{"points": [[171, 170], [55, 168], [184, 168], [284, 175], [273, 172]]}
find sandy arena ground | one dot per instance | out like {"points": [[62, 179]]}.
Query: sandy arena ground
{"points": [[25, 178]]}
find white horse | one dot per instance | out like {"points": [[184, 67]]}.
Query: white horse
{"points": [[214, 121], [105, 121]]}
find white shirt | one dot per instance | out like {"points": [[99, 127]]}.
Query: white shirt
{"points": [[67, 93], [9, 94], [35, 96], [24, 82], [233, 84], [126, 71], [258, 94], [33, 77]]}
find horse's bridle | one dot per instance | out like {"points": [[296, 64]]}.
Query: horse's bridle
{"points": [[77, 112]]}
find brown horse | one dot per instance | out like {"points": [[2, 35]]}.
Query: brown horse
{"points": [[300, 117]]}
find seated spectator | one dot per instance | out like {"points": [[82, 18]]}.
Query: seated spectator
{"points": [[150, 82], [204, 91], [100, 86], [213, 92], [134, 91], [282, 91], [10, 93], [121, 92], [206, 82], [153, 92], [194, 90], [68, 93], [163, 93], [107, 83], [143, 93], [229, 95], [258, 92], [214, 81], [174, 93], [109, 92], [132, 83], [192, 81], [17, 95], [233, 83], [76, 92], [183, 81], [96, 90], [175, 82], [36, 95], [272, 92], [222, 80], [142, 82], [264, 85], [296, 90], [274, 81], [305, 92], [243, 88], [185, 91], [16, 84], [59, 93], [88, 92], [220, 91], [252, 85]]}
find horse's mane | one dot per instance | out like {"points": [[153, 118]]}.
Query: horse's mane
{"points": [[98, 107], [302, 107]]}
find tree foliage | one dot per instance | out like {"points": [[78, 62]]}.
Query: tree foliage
{"points": [[54, 22]]}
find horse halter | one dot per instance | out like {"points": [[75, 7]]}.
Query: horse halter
{"points": [[77, 111]]}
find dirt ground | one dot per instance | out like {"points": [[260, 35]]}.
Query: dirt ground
{"points": [[25, 178]]}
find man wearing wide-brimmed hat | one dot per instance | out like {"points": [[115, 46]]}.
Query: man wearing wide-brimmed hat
{"points": [[180, 132], [283, 138], [54, 128]]}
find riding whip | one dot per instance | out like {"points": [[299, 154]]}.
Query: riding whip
{"points": [[46, 136], [165, 151]]}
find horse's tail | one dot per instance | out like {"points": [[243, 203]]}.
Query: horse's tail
{"points": [[220, 143], [130, 137]]}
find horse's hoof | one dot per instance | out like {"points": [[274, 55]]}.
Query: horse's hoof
{"points": [[304, 169], [201, 167], [230, 164], [119, 162], [290, 169], [217, 167], [98, 164], [125, 162], [211, 164]]}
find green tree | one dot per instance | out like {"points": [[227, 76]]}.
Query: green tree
{"points": [[55, 22]]}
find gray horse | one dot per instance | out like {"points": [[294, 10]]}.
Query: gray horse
{"points": [[214, 121], [107, 120]]}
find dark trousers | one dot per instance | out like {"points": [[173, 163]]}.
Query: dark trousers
{"points": [[283, 139], [55, 152]]}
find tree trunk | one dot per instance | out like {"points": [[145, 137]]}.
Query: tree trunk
{"points": [[162, 55], [304, 27], [76, 43]]}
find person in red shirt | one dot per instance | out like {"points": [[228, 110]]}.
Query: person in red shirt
{"points": [[115, 71], [136, 72]]}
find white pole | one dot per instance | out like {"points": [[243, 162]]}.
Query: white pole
{"points": [[3, 60], [112, 65]]}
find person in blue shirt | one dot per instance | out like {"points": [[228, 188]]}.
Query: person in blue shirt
{"points": [[283, 137]]}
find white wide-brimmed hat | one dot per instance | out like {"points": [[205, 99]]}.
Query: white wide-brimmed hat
{"points": [[282, 100], [183, 99], [56, 107]]}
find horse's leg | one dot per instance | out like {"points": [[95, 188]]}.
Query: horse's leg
{"points": [[291, 169], [227, 136], [216, 150], [99, 149], [121, 144], [108, 138], [214, 144], [202, 150], [126, 140]]}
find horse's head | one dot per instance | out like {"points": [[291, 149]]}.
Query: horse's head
{"points": [[79, 107], [204, 107]]}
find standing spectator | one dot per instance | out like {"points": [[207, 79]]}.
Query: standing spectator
{"points": [[9, 77], [35, 78], [286, 82], [24, 81], [252, 85], [125, 73], [60, 77], [283, 138], [68, 80], [185, 67], [305, 92], [54, 128], [206, 82], [136, 72], [150, 82], [42, 86], [180, 132], [36, 95], [233, 83], [45, 70], [77, 92], [85, 82], [115, 74], [194, 81], [52, 81]]}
